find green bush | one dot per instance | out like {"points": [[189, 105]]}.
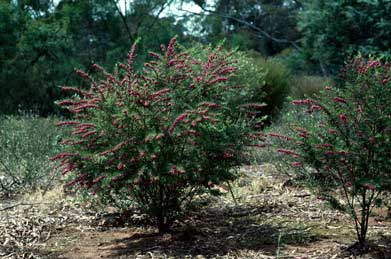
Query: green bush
{"points": [[278, 81], [159, 137], [26, 143], [263, 81], [341, 144]]}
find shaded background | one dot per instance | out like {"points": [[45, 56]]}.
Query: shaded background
{"points": [[43, 41]]}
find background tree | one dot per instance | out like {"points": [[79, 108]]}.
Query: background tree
{"points": [[42, 43], [262, 25], [333, 31]]}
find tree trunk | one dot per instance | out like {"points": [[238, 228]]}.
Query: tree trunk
{"points": [[163, 224], [362, 236]]}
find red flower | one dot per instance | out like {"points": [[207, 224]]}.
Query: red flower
{"points": [[276, 135], [339, 100], [155, 55], [329, 153], [288, 152], [369, 186], [176, 121], [88, 133], [297, 164], [143, 154], [62, 123], [159, 136], [227, 154], [120, 166], [63, 155], [297, 102], [343, 118], [315, 107], [171, 62], [306, 101], [100, 178]]}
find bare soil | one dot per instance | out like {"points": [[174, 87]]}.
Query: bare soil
{"points": [[268, 220]]}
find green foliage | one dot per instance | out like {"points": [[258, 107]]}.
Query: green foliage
{"points": [[29, 61], [42, 43], [159, 136], [26, 143], [341, 143], [278, 82], [261, 80], [335, 30], [309, 86]]}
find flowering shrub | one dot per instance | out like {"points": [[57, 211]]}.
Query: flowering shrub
{"points": [[344, 147], [159, 136]]}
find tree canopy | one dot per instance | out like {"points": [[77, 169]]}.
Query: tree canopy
{"points": [[42, 42]]}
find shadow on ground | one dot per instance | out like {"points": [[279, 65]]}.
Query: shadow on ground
{"points": [[215, 231]]}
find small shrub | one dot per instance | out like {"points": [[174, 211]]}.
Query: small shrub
{"points": [[26, 143], [343, 146], [160, 136]]}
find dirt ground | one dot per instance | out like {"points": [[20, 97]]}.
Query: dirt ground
{"points": [[268, 220]]}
